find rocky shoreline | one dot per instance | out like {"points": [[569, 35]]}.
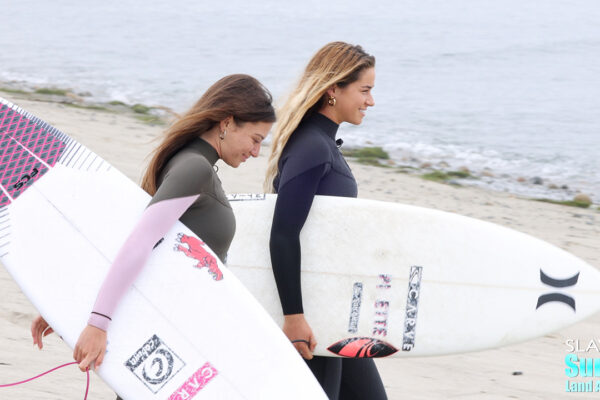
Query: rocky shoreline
{"points": [[441, 172], [535, 188]]}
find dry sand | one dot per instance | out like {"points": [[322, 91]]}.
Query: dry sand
{"points": [[124, 142]]}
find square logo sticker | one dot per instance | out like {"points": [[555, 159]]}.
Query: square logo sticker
{"points": [[154, 364]]}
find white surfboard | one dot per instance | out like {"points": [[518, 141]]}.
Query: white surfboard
{"points": [[384, 279], [186, 328]]}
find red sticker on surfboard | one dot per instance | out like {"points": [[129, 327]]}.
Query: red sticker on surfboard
{"points": [[362, 347], [195, 249]]}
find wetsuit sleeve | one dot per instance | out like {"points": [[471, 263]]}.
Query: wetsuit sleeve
{"points": [[294, 200], [176, 194]]}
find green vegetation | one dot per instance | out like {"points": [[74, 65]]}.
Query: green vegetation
{"points": [[140, 109], [444, 177], [460, 174], [150, 119], [405, 169], [436, 176], [570, 203], [14, 91], [371, 161], [368, 155], [367, 152], [142, 113], [87, 107], [52, 91]]}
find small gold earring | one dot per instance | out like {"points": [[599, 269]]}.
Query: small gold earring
{"points": [[331, 101]]}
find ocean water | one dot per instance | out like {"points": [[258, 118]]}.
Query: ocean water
{"points": [[509, 87]]}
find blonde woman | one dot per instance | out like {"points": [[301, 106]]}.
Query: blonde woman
{"points": [[305, 161]]}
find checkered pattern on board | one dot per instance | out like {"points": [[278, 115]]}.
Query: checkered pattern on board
{"points": [[19, 138]]}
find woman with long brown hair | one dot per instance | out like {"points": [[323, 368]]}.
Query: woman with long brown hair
{"points": [[228, 122], [305, 161]]}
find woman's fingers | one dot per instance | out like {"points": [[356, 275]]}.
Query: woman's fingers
{"points": [[84, 365], [90, 347], [303, 350], [313, 343], [36, 337], [99, 360], [39, 327], [299, 332], [92, 360], [77, 353], [38, 340]]}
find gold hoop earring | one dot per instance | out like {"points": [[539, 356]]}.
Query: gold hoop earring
{"points": [[222, 135], [331, 101]]}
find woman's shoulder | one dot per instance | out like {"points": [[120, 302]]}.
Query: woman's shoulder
{"points": [[187, 158], [188, 166], [308, 141]]}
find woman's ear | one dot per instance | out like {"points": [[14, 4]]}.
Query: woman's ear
{"points": [[332, 91], [226, 123]]}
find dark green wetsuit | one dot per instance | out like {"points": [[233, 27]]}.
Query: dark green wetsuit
{"points": [[190, 172], [189, 190]]}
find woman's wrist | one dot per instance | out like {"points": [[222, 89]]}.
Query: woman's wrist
{"points": [[293, 317], [99, 321]]}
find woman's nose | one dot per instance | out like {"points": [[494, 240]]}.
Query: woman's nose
{"points": [[255, 150], [370, 100]]}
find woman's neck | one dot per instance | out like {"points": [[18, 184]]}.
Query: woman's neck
{"points": [[212, 137]]}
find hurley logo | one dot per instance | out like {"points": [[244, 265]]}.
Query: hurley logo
{"points": [[556, 296]]}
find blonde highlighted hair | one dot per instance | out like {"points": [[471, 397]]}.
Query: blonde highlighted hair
{"points": [[336, 63]]}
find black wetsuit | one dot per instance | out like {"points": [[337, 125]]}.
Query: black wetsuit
{"points": [[311, 164]]}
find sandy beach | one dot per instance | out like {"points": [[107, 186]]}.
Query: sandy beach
{"points": [[531, 370]]}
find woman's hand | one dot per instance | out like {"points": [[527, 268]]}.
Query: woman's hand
{"points": [[39, 329], [90, 348], [298, 331]]}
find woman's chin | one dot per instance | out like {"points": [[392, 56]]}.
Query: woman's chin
{"points": [[357, 121]]}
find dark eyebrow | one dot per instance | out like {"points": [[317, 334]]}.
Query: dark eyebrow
{"points": [[367, 87]]}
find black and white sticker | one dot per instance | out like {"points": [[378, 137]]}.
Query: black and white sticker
{"points": [[412, 308], [154, 364], [357, 290], [246, 196]]}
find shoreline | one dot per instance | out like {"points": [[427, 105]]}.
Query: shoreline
{"points": [[463, 177], [440, 172], [125, 141]]}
